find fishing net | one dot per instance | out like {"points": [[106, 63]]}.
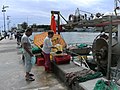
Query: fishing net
{"points": [[90, 76], [82, 45], [104, 85], [36, 50]]}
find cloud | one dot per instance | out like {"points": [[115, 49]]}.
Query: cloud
{"points": [[52, 0], [85, 3], [39, 10], [40, 0], [27, 12]]}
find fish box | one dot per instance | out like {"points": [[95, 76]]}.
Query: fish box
{"points": [[62, 59], [40, 61]]}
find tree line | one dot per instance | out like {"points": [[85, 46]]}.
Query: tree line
{"points": [[35, 27]]}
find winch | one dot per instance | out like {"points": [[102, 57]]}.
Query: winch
{"points": [[100, 52]]}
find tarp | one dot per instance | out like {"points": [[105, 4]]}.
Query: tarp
{"points": [[56, 39]]}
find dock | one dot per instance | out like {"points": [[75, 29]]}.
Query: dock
{"points": [[61, 70], [12, 72]]}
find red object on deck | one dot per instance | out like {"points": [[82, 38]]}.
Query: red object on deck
{"points": [[62, 59], [53, 24], [40, 61]]}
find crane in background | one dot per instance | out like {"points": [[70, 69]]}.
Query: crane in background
{"points": [[116, 2]]}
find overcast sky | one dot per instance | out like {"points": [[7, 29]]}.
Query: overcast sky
{"points": [[39, 11]]}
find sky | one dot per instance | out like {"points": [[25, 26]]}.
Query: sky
{"points": [[39, 11]]}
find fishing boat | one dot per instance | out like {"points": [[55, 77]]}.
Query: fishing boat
{"points": [[80, 49]]}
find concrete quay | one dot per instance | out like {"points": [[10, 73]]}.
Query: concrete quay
{"points": [[12, 74]]}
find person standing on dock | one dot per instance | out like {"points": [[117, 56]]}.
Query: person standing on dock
{"points": [[27, 52], [47, 46]]}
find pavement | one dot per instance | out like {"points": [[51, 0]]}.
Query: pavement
{"points": [[12, 72]]}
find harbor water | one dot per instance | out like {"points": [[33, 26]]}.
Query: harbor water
{"points": [[76, 37]]}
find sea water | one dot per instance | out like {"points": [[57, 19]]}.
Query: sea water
{"points": [[76, 37]]}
